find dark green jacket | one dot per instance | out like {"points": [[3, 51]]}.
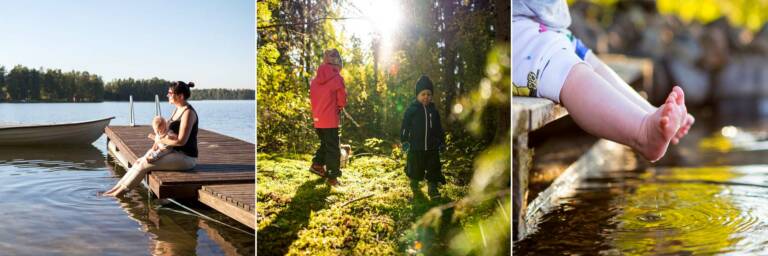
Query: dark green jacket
{"points": [[421, 127]]}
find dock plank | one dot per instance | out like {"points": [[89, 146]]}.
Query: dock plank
{"points": [[234, 200], [222, 160]]}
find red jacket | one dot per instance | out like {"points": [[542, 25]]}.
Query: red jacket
{"points": [[327, 95]]}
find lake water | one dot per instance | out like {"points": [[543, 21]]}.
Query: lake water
{"points": [[707, 197], [49, 201]]}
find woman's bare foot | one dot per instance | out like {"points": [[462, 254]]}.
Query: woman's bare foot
{"points": [[108, 192], [115, 192], [687, 121], [658, 128]]}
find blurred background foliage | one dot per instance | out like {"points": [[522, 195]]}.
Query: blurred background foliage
{"points": [[751, 14]]}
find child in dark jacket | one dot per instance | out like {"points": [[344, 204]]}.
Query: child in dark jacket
{"points": [[422, 136]]}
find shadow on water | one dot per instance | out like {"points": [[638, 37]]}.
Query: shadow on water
{"points": [[276, 238]]}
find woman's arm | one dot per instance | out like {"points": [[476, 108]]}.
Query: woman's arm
{"points": [[185, 128]]}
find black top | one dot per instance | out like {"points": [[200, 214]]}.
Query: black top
{"points": [[421, 127], [190, 148]]}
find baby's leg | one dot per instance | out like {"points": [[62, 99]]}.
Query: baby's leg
{"points": [[603, 111], [615, 80], [622, 87]]}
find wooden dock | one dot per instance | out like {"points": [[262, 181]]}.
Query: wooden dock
{"points": [[222, 160], [234, 200]]}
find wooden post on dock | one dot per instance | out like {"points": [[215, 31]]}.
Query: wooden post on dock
{"points": [[521, 165]]}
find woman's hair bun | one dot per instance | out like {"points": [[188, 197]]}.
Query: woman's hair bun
{"points": [[190, 84]]}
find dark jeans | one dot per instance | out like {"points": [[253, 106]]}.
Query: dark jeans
{"points": [[329, 153], [424, 164]]}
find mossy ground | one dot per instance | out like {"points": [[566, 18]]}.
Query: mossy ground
{"points": [[297, 213]]}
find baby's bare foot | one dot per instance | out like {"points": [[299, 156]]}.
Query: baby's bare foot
{"points": [[658, 129]]}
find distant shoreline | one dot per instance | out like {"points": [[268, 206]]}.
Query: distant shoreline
{"points": [[30, 85]]}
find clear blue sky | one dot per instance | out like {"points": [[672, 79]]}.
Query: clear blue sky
{"points": [[208, 42]]}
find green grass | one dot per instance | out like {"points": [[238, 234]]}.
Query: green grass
{"points": [[297, 213]]}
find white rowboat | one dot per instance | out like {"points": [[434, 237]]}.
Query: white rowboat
{"points": [[79, 133]]}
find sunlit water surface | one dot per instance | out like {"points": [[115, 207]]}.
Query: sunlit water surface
{"points": [[709, 197]]}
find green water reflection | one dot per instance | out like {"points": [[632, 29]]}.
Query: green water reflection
{"points": [[679, 210]]}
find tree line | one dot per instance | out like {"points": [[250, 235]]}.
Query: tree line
{"points": [[449, 41], [23, 84]]}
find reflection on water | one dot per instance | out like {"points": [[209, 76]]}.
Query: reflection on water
{"points": [[678, 213], [711, 200], [53, 158]]}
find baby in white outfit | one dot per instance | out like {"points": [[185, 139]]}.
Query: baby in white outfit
{"points": [[160, 127]]}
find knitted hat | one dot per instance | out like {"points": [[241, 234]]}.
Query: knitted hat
{"points": [[423, 84]]}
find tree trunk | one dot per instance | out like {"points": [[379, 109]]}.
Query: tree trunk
{"points": [[307, 18], [502, 40], [449, 57]]}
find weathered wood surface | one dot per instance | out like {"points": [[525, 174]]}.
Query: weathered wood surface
{"points": [[532, 113], [604, 155], [222, 160], [522, 159], [234, 200]]}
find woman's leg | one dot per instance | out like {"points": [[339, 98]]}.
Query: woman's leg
{"points": [[622, 87], [134, 175], [120, 182], [603, 111]]}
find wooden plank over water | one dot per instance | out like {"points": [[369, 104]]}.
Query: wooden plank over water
{"points": [[234, 200], [604, 155], [533, 113], [222, 160]]}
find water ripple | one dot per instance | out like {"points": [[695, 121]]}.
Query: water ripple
{"points": [[664, 211]]}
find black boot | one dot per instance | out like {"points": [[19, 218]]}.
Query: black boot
{"points": [[432, 190]]}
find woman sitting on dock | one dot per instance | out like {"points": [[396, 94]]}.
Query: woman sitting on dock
{"points": [[184, 155]]}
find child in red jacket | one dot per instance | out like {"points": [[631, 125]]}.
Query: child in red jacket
{"points": [[328, 98]]}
